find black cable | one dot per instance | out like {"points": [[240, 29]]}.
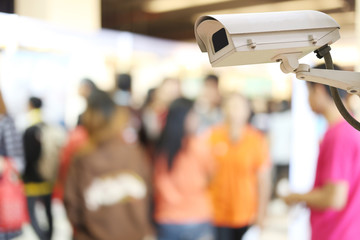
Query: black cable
{"points": [[325, 52]]}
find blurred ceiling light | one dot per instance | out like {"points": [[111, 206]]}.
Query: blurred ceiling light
{"points": [[284, 6], [159, 6]]}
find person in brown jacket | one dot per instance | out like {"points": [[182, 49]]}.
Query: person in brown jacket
{"points": [[107, 190]]}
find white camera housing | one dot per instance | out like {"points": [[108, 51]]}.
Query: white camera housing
{"points": [[239, 39]]}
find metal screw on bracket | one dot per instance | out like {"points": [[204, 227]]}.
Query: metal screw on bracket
{"points": [[312, 39], [251, 43], [353, 91]]}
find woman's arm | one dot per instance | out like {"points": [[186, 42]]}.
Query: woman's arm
{"points": [[331, 195]]}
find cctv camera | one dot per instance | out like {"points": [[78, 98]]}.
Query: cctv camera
{"points": [[238, 39]]}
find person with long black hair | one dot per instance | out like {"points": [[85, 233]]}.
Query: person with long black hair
{"points": [[183, 169]]}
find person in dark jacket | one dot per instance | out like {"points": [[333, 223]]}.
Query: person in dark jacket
{"points": [[36, 187]]}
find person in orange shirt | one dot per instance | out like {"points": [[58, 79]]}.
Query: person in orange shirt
{"points": [[182, 172], [241, 184]]}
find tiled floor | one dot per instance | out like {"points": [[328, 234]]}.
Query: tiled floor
{"points": [[276, 226]]}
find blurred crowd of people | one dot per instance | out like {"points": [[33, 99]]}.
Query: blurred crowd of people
{"points": [[175, 169]]}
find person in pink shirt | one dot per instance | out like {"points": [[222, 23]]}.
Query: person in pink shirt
{"points": [[335, 198]]}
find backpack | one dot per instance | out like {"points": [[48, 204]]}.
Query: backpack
{"points": [[52, 139], [13, 209]]}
